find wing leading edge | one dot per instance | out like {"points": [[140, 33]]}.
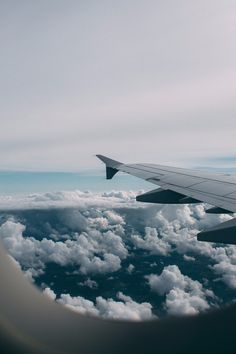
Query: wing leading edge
{"points": [[185, 186]]}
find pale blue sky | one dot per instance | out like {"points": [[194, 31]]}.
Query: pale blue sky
{"points": [[150, 81]]}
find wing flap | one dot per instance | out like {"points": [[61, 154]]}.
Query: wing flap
{"points": [[216, 210], [223, 233], [165, 196]]}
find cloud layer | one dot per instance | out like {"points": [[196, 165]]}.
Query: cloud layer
{"points": [[102, 233]]}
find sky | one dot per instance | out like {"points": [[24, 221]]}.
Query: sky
{"points": [[140, 81]]}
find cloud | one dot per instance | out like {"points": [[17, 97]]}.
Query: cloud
{"points": [[92, 251], [151, 242], [180, 302], [96, 233], [91, 230], [126, 308], [49, 293], [188, 258], [92, 284], [130, 268], [176, 229], [179, 225], [72, 199], [183, 295], [170, 277], [226, 265], [79, 304]]}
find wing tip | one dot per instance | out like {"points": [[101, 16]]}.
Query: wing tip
{"points": [[108, 162], [112, 166]]}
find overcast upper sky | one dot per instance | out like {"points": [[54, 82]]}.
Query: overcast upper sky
{"points": [[150, 81]]}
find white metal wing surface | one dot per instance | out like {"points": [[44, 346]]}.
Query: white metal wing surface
{"points": [[185, 186]]}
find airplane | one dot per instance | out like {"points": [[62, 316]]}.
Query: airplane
{"points": [[186, 186], [32, 323]]}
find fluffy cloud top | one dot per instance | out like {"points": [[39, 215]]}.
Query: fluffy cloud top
{"points": [[151, 242], [93, 252], [183, 295], [125, 308], [171, 277], [180, 302], [50, 293]]}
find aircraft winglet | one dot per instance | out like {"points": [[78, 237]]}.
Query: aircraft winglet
{"points": [[111, 166]]}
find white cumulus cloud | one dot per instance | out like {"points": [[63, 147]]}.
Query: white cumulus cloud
{"points": [[125, 308], [93, 252], [183, 295], [151, 242]]}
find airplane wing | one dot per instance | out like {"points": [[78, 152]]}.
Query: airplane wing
{"points": [[185, 186]]}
